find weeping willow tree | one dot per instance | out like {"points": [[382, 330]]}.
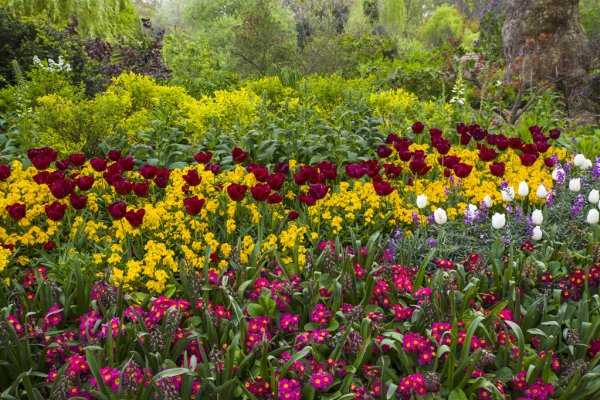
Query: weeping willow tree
{"points": [[107, 19], [392, 17]]}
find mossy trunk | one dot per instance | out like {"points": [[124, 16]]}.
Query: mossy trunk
{"points": [[544, 42]]}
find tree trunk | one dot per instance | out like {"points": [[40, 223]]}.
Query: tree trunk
{"points": [[544, 42]]}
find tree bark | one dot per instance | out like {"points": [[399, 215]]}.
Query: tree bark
{"points": [[544, 42]]}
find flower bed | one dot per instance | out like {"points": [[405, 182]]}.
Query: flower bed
{"points": [[459, 265]]}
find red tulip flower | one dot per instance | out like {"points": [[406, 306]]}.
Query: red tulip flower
{"points": [[238, 155], [260, 191], [78, 202], [193, 205], [192, 178], [135, 217], [497, 169], [117, 210], [4, 172], [55, 211], [236, 191], [16, 211], [203, 157]]}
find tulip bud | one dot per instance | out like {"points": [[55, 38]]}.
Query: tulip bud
{"points": [[537, 217], [523, 189], [498, 221], [537, 233], [575, 185], [541, 191], [593, 216], [440, 217], [594, 196], [421, 201]]}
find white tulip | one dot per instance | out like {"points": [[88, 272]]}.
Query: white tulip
{"points": [[537, 233], [537, 217], [421, 201], [587, 164], [498, 221], [579, 160], [575, 185], [594, 196], [508, 194], [541, 191], [523, 189], [593, 216], [487, 201], [440, 217], [472, 208]]}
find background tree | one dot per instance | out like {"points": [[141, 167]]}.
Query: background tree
{"points": [[544, 42]]}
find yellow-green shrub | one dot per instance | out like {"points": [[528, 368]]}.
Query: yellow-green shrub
{"points": [[395, 106], [224, 110]]}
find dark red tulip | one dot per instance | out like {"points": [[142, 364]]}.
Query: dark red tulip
{"points": [[462, 170], [462, 129], [318, 190], [114, 155], [307, 199], [135, 217], [98, 164], [117, 210], [192, 178], [214, 168], [260, 172], [555, 133], [77, 159], [418, 127], [419, 166], [4, 172], [497, 169], [85, 182], [203, 157], [449, 161], [515, 143], [392, 138], [42, 157], [392, 170], [126, 163], [62, 164], [405, 155], [193, 205], [16, 211], [162, 177], [141, 188], [465, 138], [384, 151], [123, 187], [260, 191], [355, 170], [78, 202], [382, 188], [542, 146], [61, 188], [293, 215], [42, 177], [55, 211], [528, 159], [487, 154], [236, 191], [148, 171], [238, 155], [276, 180], [274, 198]]}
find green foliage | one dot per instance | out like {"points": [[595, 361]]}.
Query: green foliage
{"points": [[392, 17], [195, 65], [264, 40], [109, 19], [444, 27]]}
